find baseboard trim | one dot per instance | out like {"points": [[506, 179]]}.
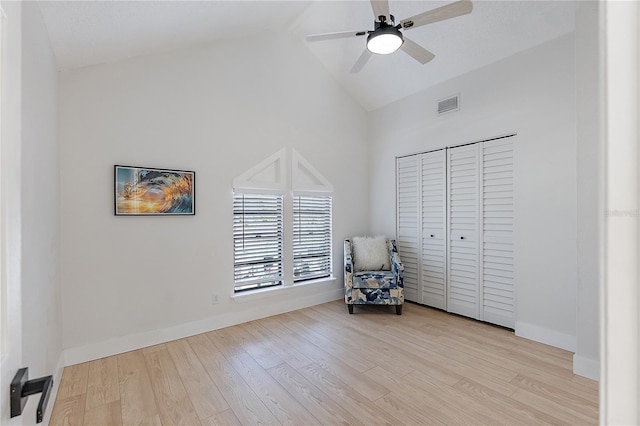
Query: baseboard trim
{"points": [[546, 336], [586, 367], [135, 341], [57, 377]]}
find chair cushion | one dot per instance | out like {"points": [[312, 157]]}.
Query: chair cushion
{"points": [[374, 279], [370, 254]]}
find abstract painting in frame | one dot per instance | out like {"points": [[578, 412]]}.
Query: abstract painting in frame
{"points": [[154, 192]]}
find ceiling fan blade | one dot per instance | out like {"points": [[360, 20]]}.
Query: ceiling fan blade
{"points": [[332, 36], [362, 60], [452, 10], [416, 51], [380, 7]]}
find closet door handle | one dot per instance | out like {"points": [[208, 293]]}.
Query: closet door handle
{"points": [[462, 238], [432, 236]]}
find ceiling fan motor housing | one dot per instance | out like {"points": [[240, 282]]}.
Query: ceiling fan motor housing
{"points": [[384, 38]]}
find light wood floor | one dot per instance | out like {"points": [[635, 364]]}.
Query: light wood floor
{"points": [[321, 365]]}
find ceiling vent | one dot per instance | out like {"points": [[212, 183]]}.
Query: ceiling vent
{"points": [[449, 104]]}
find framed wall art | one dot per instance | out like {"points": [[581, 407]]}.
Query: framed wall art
{"points": [[153, 192]]}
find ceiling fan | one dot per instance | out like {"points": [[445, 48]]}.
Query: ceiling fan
{"points": [[386, 36]]}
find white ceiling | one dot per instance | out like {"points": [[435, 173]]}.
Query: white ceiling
{"points": [[84, 33]]}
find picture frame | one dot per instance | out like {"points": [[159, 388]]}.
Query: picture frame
{"points": [[149, 191]]}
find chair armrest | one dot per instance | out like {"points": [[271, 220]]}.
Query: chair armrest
{"points": [[348, 264], [396, 264]]}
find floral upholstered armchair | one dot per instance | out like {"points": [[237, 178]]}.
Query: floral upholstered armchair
{"points": [[373, 273]]}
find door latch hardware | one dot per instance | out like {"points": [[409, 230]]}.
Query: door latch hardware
{"points": [[22, 388]]}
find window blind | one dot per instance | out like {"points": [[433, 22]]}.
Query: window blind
{"points": [[311, 237], [257, 241]]}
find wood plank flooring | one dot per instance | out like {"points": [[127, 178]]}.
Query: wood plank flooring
{"points": [[320, 365]]}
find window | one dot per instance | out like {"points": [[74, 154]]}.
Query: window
{"points": [[311, 237], [282, 236], [257, 241]]}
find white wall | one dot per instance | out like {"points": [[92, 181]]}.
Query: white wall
{"points": [[531, 93], [590, 162], [41, 327], [42, 335], [219, 110]]}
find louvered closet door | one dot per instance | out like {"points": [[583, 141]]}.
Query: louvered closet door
{"points": [[463, 209], [407, 233], [498, 215], [434, 226]]}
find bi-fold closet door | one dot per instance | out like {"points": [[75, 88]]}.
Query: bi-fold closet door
{"points": [[455, 229], [433, 217], [421, 226], [497, 267], [463, 226], [408, 231]]}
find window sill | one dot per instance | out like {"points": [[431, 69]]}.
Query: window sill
{"points": [[263, 293]]}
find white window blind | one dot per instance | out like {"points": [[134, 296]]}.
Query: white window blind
{"points": [[257, 241], [311, 237]]}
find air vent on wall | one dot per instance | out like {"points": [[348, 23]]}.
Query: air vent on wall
{"points": [[448, 105]]}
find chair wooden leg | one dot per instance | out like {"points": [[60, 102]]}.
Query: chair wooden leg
{"points": [[350, 308], [398, 309]]}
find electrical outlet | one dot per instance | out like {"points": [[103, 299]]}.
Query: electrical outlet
{"points": [[214, 299]]}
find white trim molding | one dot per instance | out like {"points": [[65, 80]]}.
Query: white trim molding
{"points": [[277, 305], [586, 367], [546, 336], [620, 297], [305, 178], [269, 174], [276, 173]]}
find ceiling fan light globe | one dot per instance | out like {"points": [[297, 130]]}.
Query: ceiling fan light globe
{"points": [[384, 43]]}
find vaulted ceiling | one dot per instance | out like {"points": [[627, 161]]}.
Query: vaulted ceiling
{"points": [[85, 33]]}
